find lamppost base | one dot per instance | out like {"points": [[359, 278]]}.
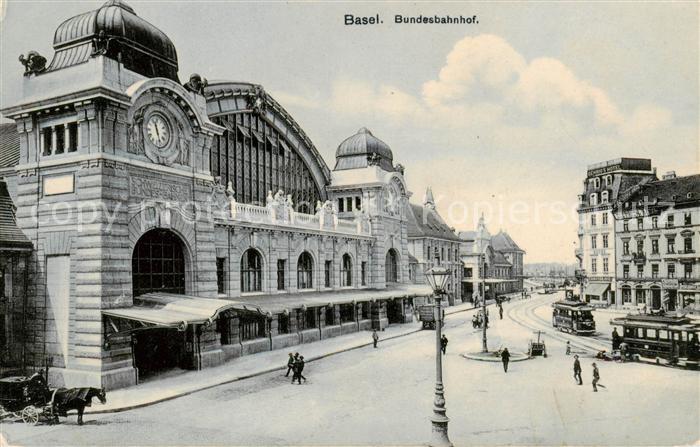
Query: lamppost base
{"points": [[439, 436]]}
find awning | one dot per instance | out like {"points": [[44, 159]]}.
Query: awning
{"points": [[171, 310], [596, 289], [276, 303]]}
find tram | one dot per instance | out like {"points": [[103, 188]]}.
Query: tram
{"points": [[671, 338], [573, 316]]}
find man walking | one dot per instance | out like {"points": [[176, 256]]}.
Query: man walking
{"points": [[298, 368], [500, 310], [375, 337], [290, 363], [505, 358], [443, 344], [577, 370], [596, 378]]}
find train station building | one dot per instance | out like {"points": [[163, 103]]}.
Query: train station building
{"points": [[154, 224]]}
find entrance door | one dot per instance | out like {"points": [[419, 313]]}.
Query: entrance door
{"points": [[656, 298], [157, 350], [672, 296], [158, 263], [394, 311]]}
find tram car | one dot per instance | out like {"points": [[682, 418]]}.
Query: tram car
{"points": [[669, 338], [573, 316]]}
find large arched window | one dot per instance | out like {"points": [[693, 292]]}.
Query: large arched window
{"points": [[251, 271], [305, 270], [158, 263], [391, 266], [346, 271]]}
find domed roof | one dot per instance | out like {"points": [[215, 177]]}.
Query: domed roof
{"points": [[116, 31], [363, 149]]}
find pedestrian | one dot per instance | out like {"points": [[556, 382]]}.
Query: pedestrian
{"points": [[568, 347], [616, 340], [298, 368], [577, 370], [623, 351], [290, 364], [505, 358], [500, 311], [443, 344], [375, 337], [596, 377]]}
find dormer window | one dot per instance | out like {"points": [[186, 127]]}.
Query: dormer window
{"points": [[59, 139], [604, 197], [593, 199], [608, 180]]}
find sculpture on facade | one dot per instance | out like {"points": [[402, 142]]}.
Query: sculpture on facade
{"points": [[183, 146], [328, 216], [256, 100], [373, 159], [400, 168], [100, 44], [135, 133], [196, 84], [34, 63]]}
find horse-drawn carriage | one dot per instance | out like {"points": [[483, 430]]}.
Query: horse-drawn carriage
{"points": [[426, 315], [30, 400], [25, 399]]}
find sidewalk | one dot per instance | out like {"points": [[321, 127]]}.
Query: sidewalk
{"points": [[164, 388]]}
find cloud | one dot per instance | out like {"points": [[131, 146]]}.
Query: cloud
{"points": [[506, 131]]}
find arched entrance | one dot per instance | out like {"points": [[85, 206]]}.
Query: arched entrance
{"points": [[158, 263], [391, 270]]}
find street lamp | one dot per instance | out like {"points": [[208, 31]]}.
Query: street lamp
{"points": [[484, 347], [437, 278]]}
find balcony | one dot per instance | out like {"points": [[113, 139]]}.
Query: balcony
{"points": [[282, 214], [639, 258], [685, 252]]}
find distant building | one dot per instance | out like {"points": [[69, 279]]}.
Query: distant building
{"points": [[596, 251], [431, 242], [493, 262], [657, 226]]}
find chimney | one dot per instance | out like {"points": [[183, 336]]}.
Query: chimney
{"points": [[669, 175]]}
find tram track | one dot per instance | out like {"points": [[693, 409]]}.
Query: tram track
{"points": [[523, 313]]}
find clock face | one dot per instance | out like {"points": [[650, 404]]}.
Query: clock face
{"points": [[158, 130]]}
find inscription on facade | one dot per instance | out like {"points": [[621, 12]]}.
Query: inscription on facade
{"points": [[157, 189]]}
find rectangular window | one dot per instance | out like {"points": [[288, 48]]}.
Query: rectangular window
{"points": [[655, 246], [358, 203], [594, 265], [327, 272], [640, 271], [605, 265], [625, 225], [281, 274], [365, 310], [655, 271], [687, 220], [594, 241], [330, 315], [688, 245], [348, 204], [310, 318], [626, 271], [639, 295], [221, 275], [347, 313], [593, 219], [626, 295], [669, 221], [655, 222], [252, 327], [671, 270], [605, 241], [282, 324], [363, 272], [640, 223], [671, 245], [341, 205], [640, 247], [625, 247], [605, 218], [688, 271]]}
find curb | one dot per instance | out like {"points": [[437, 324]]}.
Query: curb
{"points": [[257, 373], [477, 356]]}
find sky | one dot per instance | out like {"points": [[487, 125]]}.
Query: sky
{"points": [[499, 117]]}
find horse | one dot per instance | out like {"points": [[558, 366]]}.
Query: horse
{"points": [[76, 399]]}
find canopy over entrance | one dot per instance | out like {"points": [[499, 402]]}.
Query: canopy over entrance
{"points": [[597, 289], [172, 310]]}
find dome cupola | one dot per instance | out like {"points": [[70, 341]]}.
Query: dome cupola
{"points": [[361, 150], [114, 30]]}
